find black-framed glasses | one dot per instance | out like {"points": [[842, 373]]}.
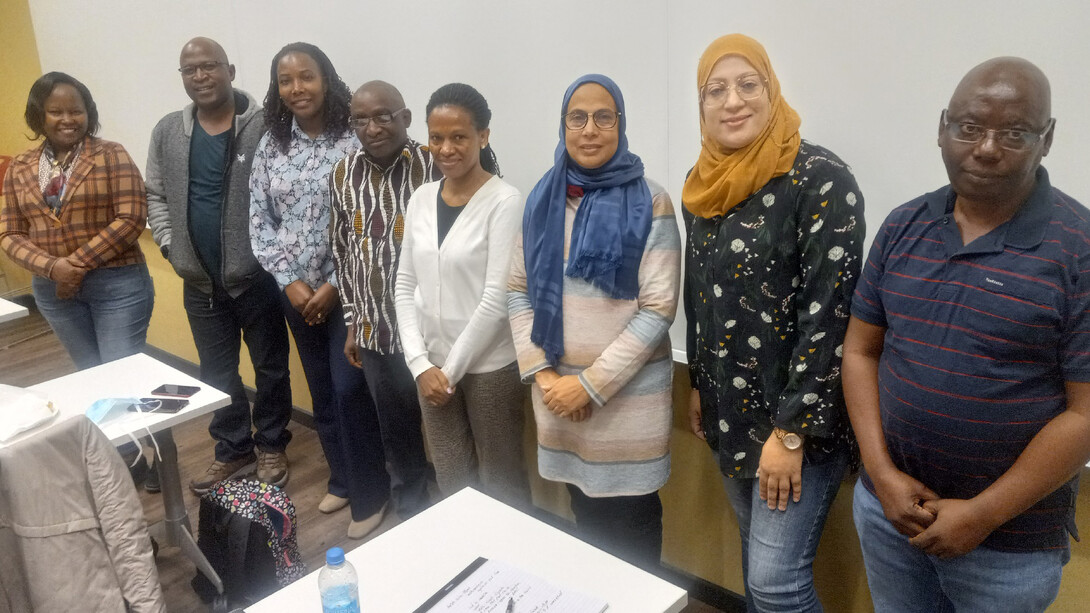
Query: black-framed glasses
{"points": [[1011, 139], [380, 120], [205, 67], [715, 93], [605, 119]]}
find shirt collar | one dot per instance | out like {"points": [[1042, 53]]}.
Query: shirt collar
{"points": [[298, 132], [1028, 226]]}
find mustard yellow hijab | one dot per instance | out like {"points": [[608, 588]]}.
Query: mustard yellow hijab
{"points": [[721, 179]]}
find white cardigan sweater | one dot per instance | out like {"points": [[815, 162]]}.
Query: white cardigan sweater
{"points": [[451, 300]]}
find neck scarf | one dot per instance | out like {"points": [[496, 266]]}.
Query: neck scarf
{"points": [[608, 234], [721, 179], [53, 175]]}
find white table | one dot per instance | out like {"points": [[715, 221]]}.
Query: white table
{"points": [[135, 377], [401, 568], [10, 310]]}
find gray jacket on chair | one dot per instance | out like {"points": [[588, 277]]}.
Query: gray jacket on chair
{"points": [[72, 530], [167, 179]]}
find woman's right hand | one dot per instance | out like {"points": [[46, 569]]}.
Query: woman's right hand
{"points": [[299, 294], [696, 415], [434, 386]]}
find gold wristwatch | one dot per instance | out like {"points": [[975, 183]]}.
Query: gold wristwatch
{"points": [[789, 439]]}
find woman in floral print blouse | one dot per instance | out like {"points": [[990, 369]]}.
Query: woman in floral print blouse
{"points": [[307, 109], [775, 240]]}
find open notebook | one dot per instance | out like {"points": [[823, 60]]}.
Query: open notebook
{"points": [[491, 586]]}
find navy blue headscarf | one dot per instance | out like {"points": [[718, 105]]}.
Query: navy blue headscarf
{"points": [[609, 232]]}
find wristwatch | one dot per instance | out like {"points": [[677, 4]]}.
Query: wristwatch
{"points": [[789, 439]]}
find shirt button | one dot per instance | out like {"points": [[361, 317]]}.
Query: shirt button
{"points": [[945, 220]]}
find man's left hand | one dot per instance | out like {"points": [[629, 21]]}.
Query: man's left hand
{"points": [[959, 527], [566, 396]]}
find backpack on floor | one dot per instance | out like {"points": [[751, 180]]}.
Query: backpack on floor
{"points": [[246, 529]]}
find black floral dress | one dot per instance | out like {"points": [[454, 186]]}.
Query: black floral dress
{"points": [[768, 288]]}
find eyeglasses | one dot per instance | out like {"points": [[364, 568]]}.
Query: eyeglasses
{"points": [[205, 67], [1011, 139], [715, 93], [380, 120], [605, 119]]}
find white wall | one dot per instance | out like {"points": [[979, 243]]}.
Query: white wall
{"points": [[868, 77]]}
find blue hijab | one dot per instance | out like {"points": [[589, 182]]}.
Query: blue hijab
{"points": [[608, 235]]}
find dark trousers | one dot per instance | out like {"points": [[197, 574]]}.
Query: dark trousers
{"points": [[219, 324], [629, 527], [394, 393], [344, 414]]}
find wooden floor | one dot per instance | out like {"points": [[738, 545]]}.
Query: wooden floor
{"points": [[30, 354]]}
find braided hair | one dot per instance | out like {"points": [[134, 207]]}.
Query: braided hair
{"points": [[335, 106], [466, 97]]}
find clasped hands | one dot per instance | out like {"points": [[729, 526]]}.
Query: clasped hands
{"points": [[435, 387], [313, 305], [943, 527], [68, 273], [564, 395]]}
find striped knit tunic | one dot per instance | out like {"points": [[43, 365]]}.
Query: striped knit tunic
{"points": [[620, 349]]}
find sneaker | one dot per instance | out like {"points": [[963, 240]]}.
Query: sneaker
{"points": [[219, 471], [272, 467]]}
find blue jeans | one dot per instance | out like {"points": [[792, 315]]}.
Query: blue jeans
{"points": [[219, 324], [108, 317], [904, 579], [344, 414], [778, 547]]}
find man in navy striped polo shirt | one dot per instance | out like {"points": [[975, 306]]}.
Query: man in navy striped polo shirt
{"points": [[967, 365]]}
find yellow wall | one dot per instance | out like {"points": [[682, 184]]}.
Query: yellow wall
{"points": [[19, 68]]}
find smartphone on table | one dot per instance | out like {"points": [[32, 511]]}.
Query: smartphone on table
{"points": [[177, 391]]}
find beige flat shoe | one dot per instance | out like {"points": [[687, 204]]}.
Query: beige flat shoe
{"points": [[332, 503], [360, 529]]}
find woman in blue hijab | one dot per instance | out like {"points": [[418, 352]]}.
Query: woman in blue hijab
{"points": [[592, 293]]}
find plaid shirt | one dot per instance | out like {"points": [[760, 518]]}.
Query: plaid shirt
{"points": [[102, 214]]}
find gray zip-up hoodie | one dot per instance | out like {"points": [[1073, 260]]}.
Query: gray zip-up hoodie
{"points": [[167, 180]]}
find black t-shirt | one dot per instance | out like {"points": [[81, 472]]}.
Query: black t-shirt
{"points": [[446, 214], [207, 162]]}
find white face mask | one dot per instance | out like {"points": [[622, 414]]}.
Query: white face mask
{"points": [[22, 410]]}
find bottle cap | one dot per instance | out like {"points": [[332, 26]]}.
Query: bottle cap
{"points": [[334, 556]]}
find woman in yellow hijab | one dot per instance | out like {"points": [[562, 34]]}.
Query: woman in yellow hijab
{"points": [[775, 242]]}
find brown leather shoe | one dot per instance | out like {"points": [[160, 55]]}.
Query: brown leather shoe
{"points": [[219, 471], [272, 467]]}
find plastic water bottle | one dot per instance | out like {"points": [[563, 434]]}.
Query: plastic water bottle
{"points": [[338, 584]]}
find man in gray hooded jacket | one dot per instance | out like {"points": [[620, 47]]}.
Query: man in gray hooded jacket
{"points": [[198, 210]]}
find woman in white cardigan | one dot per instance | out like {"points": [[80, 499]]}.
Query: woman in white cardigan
{"points": [[451, 302]]}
